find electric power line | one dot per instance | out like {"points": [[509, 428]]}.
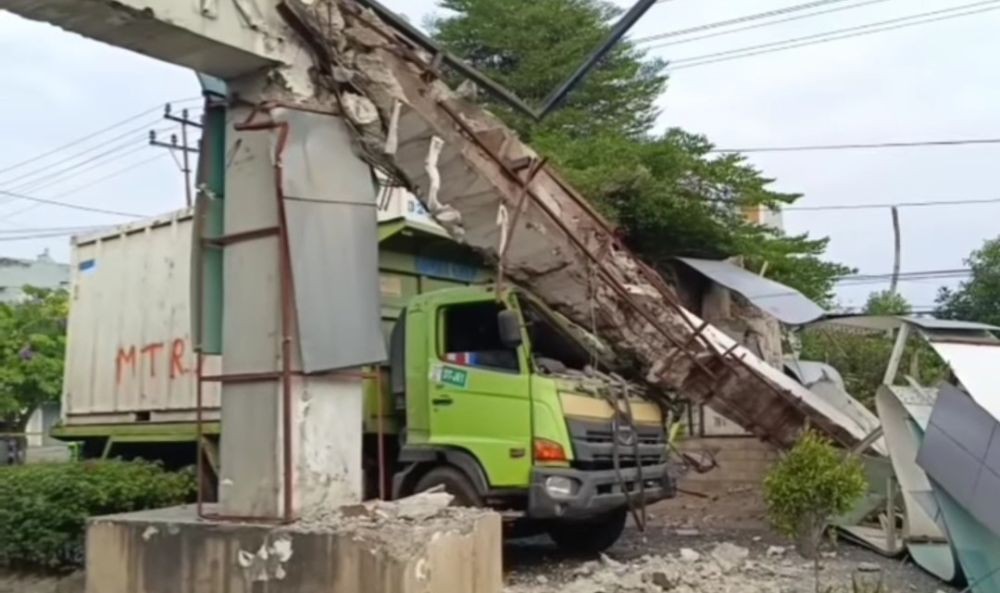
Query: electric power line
{"points": [[862, 146], [75, 155], [927, 204], [129, 145], [767, 24], [67, 229], [834, 35], [735, 21], [51, 235], [93, 134], [90, 183], [67, 205]]}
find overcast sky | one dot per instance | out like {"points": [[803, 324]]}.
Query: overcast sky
{"points": [[933, 81]]}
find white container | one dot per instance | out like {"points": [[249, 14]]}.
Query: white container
{"points": [[129, 356]]}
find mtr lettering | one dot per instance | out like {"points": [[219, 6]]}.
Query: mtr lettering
{"points": [[152, 360]]}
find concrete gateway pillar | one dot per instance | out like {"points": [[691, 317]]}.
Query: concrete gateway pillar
{"points": [[299, 219]]}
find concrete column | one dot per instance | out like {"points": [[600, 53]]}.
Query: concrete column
{"points": [[327, 412]]}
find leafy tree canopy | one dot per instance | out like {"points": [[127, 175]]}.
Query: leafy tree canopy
{"points": [[32, 344], [977, 299], [887, 303], [668, 192]]}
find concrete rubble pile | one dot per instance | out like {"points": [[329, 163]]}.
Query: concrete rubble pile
{"points": [[493, 192], [724, 568]]}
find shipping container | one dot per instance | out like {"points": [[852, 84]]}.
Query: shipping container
{"points": [[130, 361]]}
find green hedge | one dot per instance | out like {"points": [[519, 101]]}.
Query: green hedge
{"points": [[44, 507]]}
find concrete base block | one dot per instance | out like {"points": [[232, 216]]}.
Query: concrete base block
{"points": [[354, 551]]}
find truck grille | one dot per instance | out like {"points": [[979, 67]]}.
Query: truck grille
{"points": [[594, 445]]}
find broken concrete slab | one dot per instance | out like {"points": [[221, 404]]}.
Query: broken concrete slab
{"points": [[472, 171], [172, 551]]}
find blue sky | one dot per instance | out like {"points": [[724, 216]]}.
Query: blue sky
{"points": [[927, 82]]}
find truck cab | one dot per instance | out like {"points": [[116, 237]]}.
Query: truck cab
{"points": [[504, 403]]}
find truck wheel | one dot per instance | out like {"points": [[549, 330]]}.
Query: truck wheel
{"points": [[588, 537], [454, 483]]}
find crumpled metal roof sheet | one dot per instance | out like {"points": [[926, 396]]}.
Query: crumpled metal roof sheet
{"points": [[784, 303], [977, 367], [887, 322], [961, 454]]}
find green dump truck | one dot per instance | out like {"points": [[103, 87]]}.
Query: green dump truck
{"points": [[495, 398]]}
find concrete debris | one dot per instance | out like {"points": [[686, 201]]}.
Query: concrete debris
{"points": [[687, 572], [776, 551], [869, 567], [729, 556], [359, 109]]}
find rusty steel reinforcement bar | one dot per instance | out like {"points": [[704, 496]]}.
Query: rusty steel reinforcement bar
{"points": [[521, 203], [723, 358], [602, 268]]}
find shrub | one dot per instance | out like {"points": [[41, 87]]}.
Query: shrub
{"points": [[807, 487], [44, 507]]}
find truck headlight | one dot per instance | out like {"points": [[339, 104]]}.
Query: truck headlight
{"points": [[560, 487]]}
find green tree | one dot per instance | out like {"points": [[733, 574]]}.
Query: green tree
{"points": [[669, 194], [887, 303], [32, 346], [809, 486], [977, 299]]}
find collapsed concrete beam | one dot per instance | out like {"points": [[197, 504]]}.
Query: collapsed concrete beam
{"points": [[488, 189], [224, 38]]}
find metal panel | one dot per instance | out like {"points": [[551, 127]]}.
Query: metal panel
{"points": [[330, 214], [931, 323], [782, 302], [129, 344], [888, 322], [977, 367], [957, 455]]}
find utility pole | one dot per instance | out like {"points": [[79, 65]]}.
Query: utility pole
{"points": [[185, 165], [897, 259]]}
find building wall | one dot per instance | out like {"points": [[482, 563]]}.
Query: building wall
{"points": [[42, 272]]}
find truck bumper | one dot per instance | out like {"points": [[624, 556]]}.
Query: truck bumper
{"points": [[593, 493]]}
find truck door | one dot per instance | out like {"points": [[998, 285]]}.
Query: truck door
{"points": [[480, 392]]}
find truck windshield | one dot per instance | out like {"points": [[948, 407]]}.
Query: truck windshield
{"points": [[554, 349]]}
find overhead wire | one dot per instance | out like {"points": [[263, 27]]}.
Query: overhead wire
{"points": [[863, 146], [95, 133], [38, 203], [52, 202], [834, 35], [735, 21], [51, 235], [927, 204], [765, 24], [88, 150], [74, 170]]}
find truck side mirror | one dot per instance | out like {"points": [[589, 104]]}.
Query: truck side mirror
{"points": [[509, 325]]}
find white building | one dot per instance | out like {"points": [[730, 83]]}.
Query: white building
{"points": [[42, 272]]}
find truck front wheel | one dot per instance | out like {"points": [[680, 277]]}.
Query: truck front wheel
{"points": [[589, 537], [454, 482]]}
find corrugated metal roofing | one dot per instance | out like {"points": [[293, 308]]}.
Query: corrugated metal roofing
{"points": [[782, 302]]}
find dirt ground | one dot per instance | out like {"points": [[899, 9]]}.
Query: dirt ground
{"points": [[651, 561], [691, 545]]}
